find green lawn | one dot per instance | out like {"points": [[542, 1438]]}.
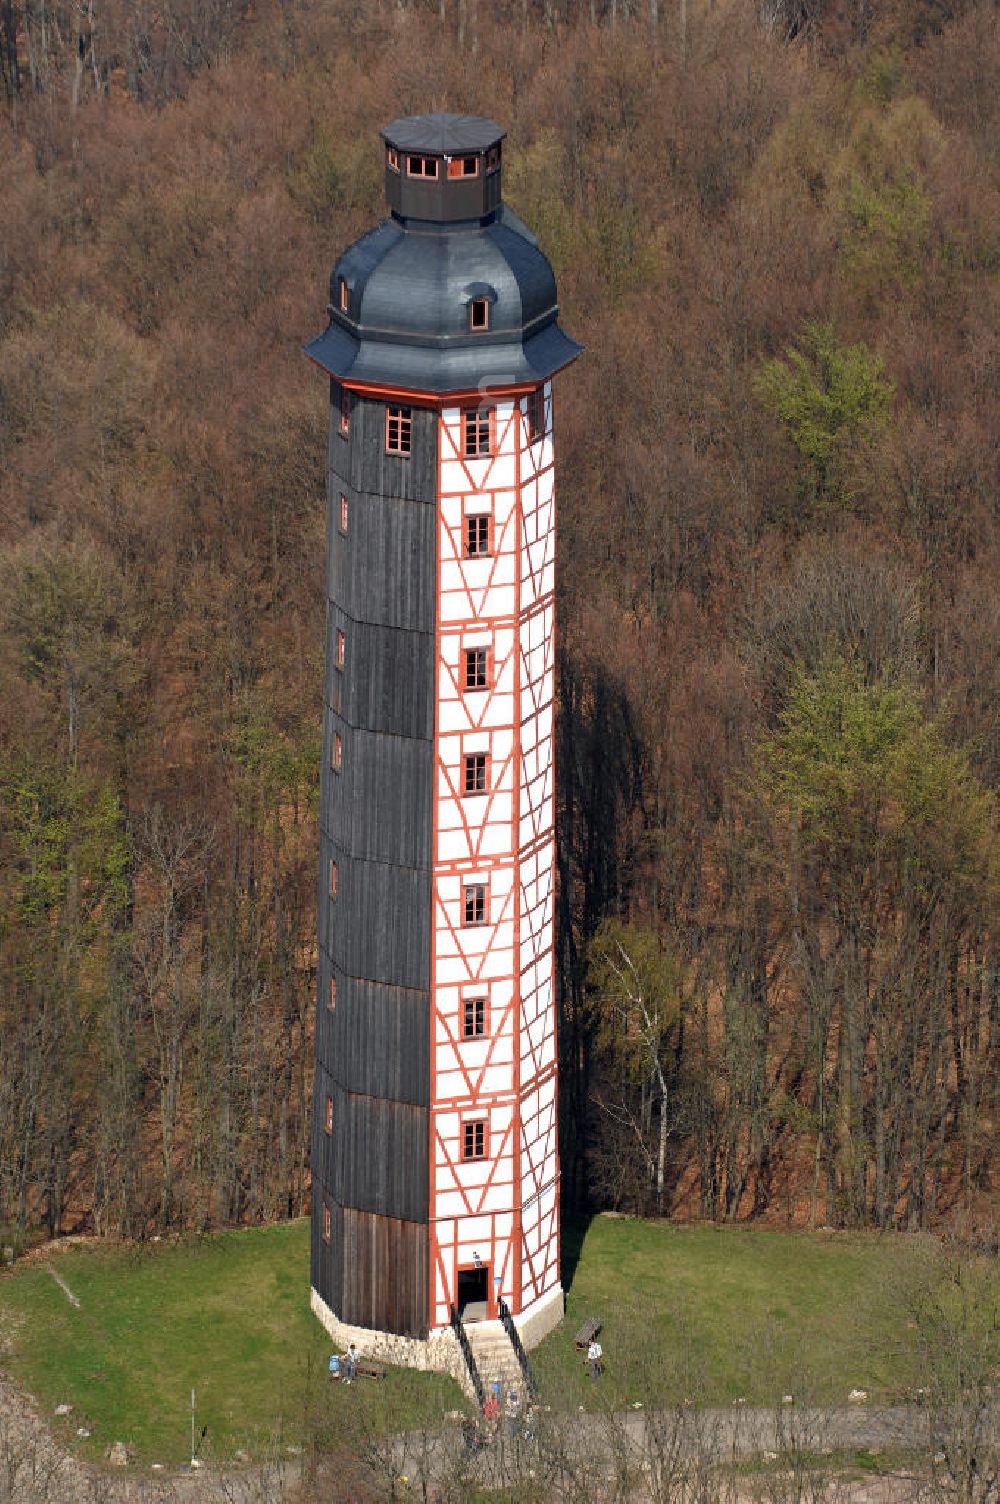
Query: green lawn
{"points": [[703, 1313], [227, 1314], [715, 1313]]}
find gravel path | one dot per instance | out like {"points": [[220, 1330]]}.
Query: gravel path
{"points": [[35, 1469]]}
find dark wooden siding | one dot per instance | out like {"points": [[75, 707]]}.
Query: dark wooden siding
{"points": [[372, 1050], [384, 1264]]}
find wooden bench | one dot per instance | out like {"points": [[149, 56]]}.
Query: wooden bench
{"points": [[587, 1332], [369, 1370]]}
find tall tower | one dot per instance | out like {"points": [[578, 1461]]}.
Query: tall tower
{"points": [[435, 1163]]}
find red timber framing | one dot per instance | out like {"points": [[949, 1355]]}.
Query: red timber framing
{"points": [[502, 1207]]}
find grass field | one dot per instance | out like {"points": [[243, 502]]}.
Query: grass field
{"points": [[227, 1314], [715, 1313], [704, 1313]]}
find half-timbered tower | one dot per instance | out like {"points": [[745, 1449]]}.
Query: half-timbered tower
{"points": [[435, 1163]]}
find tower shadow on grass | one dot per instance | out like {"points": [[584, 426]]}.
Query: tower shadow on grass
{"points": [[574, 1230]]}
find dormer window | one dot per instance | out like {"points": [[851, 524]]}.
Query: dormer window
{"points": [[392, 158], [343, 294], [463, 167], [479, 313], [421, 167]]}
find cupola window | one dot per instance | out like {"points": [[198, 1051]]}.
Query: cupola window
{"points": [[421, 167], [493, 159], [479, 313], [392, 158], [463, 167]]}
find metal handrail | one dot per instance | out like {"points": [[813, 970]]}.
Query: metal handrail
{"points": [[458, 1328], [530, 1382]]}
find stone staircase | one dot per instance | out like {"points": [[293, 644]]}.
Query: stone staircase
{"points": [[494, 1355]]}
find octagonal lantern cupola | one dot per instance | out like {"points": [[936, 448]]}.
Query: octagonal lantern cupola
{"points": [[434, 1152]]}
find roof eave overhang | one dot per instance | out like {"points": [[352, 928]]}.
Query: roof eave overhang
{"points": [[533, 361]]}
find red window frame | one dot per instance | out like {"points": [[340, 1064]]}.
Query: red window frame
{"points": [[327, 1223], [398, 429], [332, 880], [477, 669], [345, 411], [475, 1013], [478, 432], [475, 905], [331, 1001], [344, 295], [479, 315], [343, 512], [341, 649], [328, 1116], [535, 413], [418, 165], [475, 1138], [475, 774], [392, 158], [337, 752], [463, 167], [477, 542]]}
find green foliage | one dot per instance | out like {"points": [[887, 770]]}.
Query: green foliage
{"points": [[635, 991], [831, 399], [885, 200], [868, 778], [63, 831], [333, 175]]}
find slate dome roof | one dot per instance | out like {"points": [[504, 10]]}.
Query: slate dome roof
{"points": [[409, 286]]}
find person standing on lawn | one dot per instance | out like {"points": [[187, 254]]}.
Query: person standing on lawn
{"points": [[352, 1361], [595, 1354]]}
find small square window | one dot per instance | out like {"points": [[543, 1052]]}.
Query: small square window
{"points": [[477, 536], [474, 1140], [327, 1224], [337, 752], [463, 167], [344, 295], [331, 1001], [473, 1017], [333, 878], [341, 648], [398, 429], [477, 668], [345, 411], [479, 313], [343, 513], [474, 904], [328, 1116], [536, 415], [477, 431], [392, 157], [475, 773]]}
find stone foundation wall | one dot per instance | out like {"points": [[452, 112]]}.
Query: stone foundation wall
{"points": [[440, 1352]]}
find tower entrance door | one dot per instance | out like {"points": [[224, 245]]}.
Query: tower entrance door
{"points": [[474, 1293]]}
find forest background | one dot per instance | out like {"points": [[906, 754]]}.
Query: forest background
{"points": [[776, 229]]}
